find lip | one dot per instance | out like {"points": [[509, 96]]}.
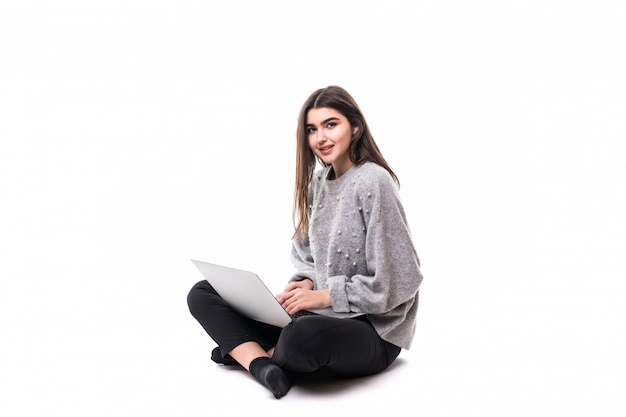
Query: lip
{"points": [[326, 150]]}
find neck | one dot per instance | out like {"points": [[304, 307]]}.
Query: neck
{"points": [[340, 169]]}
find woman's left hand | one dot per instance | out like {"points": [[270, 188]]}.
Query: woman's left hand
{"points": [[299, 295]]}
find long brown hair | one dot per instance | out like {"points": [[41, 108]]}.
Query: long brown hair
{"points": [[362, 149]]}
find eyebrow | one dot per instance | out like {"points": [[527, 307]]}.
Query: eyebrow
{"points": [[324, 121]]}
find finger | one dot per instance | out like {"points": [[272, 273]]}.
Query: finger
{"points": [[293, 307], [287, 300], [282, 296]]}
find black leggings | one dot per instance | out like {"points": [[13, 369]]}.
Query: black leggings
{"points": [[346, 347]]}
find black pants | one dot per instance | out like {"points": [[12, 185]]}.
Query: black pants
{"points": [[346, 347]]}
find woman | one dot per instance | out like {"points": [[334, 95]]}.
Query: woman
{"points": [[352, 250]]}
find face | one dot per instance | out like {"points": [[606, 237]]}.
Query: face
{"points": [[329, 134]]}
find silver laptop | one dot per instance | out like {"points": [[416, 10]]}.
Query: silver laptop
{"points": [[247, 294]]}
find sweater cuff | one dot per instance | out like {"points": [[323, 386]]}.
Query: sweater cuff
{"points": [[300, 276], [338, 294]]}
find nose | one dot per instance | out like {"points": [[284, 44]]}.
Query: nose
{"points": [[321, 138]]}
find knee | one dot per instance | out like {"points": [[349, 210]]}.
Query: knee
{"points": [[197, 294], [302, 347], [304, 336]]}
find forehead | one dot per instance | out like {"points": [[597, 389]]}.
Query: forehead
{"points": [[321, 114]]}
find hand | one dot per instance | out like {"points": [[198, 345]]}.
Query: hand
{"points": [[299, 295]]}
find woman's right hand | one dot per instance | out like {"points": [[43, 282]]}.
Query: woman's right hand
{"points": [[299, 295], [305, 284]]}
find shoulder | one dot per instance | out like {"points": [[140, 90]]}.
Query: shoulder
{"points": [[371, 174]]}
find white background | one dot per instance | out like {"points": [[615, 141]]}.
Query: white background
{"points": [[136, 135]]}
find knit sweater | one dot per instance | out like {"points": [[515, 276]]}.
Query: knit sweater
{"points": [[360, 248]]}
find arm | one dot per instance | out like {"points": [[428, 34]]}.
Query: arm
{"points": [[302, 260], [393, 276], [300, 293]]}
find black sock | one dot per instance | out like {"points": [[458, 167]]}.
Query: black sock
{"points": [[216, 356], [271, 376]]}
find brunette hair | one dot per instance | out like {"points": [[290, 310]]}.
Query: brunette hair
{"points": [[362, 148]]}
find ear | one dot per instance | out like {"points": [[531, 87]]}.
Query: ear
{"points": [[355, 129]]}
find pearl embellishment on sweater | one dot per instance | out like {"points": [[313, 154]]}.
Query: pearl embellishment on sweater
{"points": [[352, 256]]}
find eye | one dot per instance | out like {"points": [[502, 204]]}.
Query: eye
{"points": [[330, 125], [309, 130]]}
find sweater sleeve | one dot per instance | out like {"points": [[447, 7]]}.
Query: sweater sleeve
{"points": [[302, 260], [393, 272]]}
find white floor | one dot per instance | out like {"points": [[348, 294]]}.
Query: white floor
{"points": [[123, 357]]}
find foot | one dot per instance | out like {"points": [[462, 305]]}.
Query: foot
{"points": [[216, 356], [271, 376]]}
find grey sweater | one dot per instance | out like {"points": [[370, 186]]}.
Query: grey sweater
{"points": [[359, 247]]}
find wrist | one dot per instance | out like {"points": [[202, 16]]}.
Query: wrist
{"points": [[326, 301]]}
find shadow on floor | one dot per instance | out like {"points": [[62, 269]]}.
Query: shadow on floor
{"points": [[326, 383]]}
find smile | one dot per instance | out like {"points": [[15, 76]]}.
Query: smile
{"points": [[326, 149]]}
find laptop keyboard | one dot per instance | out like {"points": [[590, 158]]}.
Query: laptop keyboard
{"points": [[302, 313]]}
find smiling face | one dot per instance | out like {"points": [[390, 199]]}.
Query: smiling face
{"points": [[329, 134]]}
